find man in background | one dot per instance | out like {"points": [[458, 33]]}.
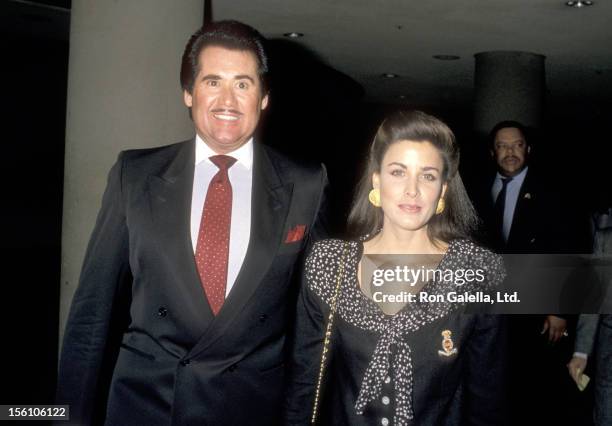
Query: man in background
{"points": [[594, 346], [523, 214]]}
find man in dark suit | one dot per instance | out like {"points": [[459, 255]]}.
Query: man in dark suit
{"points": [[593, 346], [519, 211], [184, 298], [594, 340], [523, 214]]}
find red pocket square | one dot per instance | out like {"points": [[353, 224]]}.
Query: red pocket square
{"points": [[295, 234]]}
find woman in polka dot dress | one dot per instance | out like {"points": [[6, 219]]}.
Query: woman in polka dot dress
{"points": [[394, 358]]}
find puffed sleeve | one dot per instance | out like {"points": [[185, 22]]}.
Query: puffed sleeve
{"points": [[307, 348], [485, 379], [486, 373]]}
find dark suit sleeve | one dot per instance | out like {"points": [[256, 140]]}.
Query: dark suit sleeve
{"points": [[320, 228], [586, 330], [85, 351], [306, 357], [485, 378]]}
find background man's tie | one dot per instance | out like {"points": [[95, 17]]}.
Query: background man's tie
{"points": [[500, 207]]}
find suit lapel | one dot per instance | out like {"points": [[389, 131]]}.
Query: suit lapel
{"points": [[522, 211], [271, 198], [170, 199]]}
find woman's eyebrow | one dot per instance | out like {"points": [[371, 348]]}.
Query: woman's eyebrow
{"points": [[427, 168]]}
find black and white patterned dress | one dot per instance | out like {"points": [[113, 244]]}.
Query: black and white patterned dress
{"points": [[391, 370]]}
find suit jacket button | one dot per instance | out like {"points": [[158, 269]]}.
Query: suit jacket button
{"points": [[263, 318], [185, 362], [162, 312], [232, 368]]}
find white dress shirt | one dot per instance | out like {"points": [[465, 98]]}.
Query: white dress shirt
{"points": [[241, 178], [513, 189]]}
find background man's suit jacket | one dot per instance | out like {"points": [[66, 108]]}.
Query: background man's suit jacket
{"points": [[586, 332], [545, 220], [141, 343], [594, 337]]}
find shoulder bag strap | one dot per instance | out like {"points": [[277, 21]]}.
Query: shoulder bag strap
{"points": [[328, 333]]}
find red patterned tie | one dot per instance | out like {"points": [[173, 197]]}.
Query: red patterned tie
{"points": [[212, 251]]}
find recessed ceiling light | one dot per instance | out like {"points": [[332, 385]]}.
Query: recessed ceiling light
{"points": [[446, 57], [579, 3], [390, 75], [293, 35]]}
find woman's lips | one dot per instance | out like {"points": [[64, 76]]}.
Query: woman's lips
{"points": [[410, 208]]}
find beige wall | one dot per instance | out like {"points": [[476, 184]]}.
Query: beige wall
{"points": [[123, 92]]}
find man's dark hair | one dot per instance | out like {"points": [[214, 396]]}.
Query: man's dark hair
{"points": [[505, 124], [231, 35]]}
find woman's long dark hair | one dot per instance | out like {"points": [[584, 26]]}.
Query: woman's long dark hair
{"points": [[458, 220]]}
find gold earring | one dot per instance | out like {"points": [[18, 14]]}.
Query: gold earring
{"points": [[441, 206], [374, 197]]}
